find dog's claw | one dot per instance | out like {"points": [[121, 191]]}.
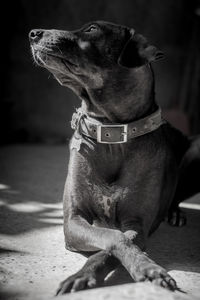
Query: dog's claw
{"points": [[159, 276], [169, 282], [177, 218], [165, 283], [77, 282], [64, 288]]}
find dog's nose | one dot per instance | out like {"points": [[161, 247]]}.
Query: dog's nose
{"points": [[35, 35]]}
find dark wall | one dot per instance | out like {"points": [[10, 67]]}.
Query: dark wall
{"points": [[33, 106]]}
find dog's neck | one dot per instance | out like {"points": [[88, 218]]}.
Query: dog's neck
{"points": [[124, 97]]}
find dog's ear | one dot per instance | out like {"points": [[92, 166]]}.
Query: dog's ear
{"points": [[138, 52]]}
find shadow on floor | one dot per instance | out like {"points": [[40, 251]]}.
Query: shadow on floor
{"points": [[31, 186], [8, 295], [13, 221]]}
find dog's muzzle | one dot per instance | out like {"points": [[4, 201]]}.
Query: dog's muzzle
{"points": [[115, 133]]}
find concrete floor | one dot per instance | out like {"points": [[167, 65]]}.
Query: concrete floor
{"points": [[33, 259]]}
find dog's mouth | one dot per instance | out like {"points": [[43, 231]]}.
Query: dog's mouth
{"points": [[46, 57]]}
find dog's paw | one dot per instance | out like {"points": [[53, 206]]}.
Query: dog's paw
{"points": [[157, 275], [177, 218], [77, 282]]}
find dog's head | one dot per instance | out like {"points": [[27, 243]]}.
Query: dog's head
{"points": [[87, 54]]}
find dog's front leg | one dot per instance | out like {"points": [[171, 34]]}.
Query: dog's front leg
{"points": [[82, 236], [95, 270]]}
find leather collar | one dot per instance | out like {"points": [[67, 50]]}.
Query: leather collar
{"points": [[115, 133]]}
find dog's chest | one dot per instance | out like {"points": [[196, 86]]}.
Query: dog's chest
{"points": [[105, 199]]}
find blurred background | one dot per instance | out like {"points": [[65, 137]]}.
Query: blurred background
{"points": [[34, 108]]}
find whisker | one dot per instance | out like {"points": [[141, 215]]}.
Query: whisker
{"points": [[58, 49], [42, 48]]}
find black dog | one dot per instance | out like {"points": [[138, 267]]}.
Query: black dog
{"points": [[125, 171]]}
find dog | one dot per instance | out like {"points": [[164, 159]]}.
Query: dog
{"points": [[128, 166]]}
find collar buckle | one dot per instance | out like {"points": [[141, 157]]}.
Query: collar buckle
{"points": [[112, 134]]}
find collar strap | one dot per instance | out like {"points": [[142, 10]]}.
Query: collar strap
{"points": [[115, 133]]}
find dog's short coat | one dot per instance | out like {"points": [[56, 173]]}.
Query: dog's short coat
{"points": [[116, 194]]}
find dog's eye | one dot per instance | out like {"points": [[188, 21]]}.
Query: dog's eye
{"points": [[91, 28]]}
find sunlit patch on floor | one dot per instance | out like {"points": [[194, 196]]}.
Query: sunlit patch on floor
{"points": [[4, 186], [32, 207], [51, 221], [26, 207], [191, 203], [2, 202], [55, 213]]}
